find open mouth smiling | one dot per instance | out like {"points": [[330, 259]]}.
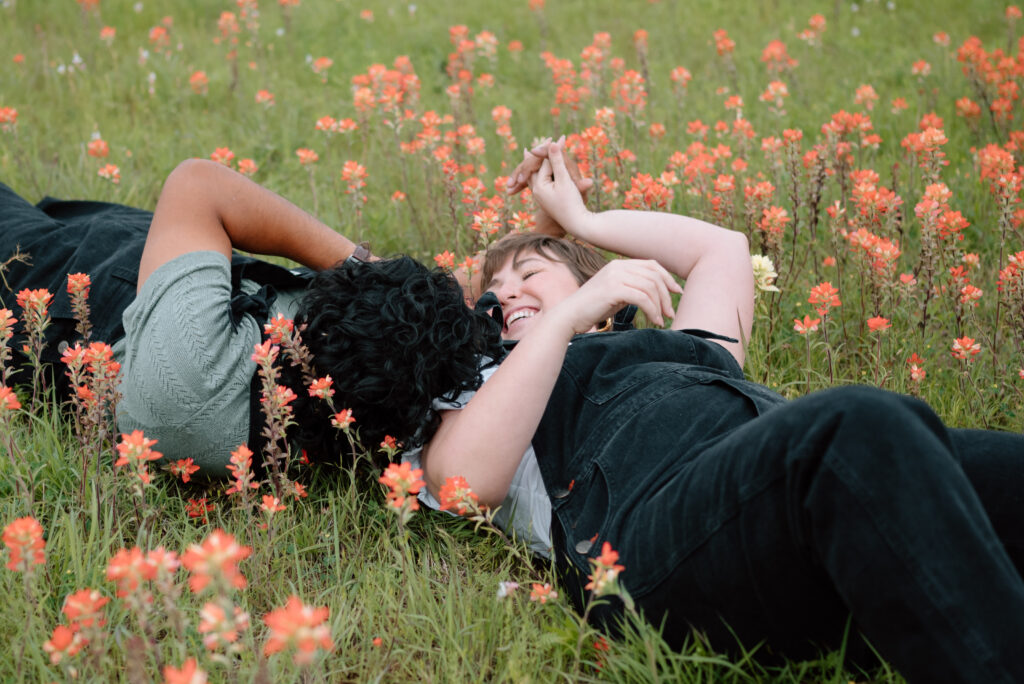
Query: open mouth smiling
{"points": [[518, 315]]}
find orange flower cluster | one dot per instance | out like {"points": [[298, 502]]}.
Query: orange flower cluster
{"points": [[24, 541], [403, 483], [604, 575], [825, 298], [134, 450], [456, 495], [776, 58], [298, 626], [388, 90], [215, 562], [965, 348]]}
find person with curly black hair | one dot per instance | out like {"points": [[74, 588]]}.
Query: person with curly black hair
{"points": [[183, 310], [791, 524], [393, 335]]}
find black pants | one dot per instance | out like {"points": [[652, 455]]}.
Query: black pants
{"points": [[100, 239], [777, 526]]}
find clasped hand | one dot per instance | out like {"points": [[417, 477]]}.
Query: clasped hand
{"points": [[642, 282]]}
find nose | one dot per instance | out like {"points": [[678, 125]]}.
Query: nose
{"points": [[507, 291]]}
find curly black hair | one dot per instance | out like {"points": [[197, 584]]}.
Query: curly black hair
{"points": [[393, 335]]}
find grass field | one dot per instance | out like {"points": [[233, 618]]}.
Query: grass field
{"points": [[101, 99]]}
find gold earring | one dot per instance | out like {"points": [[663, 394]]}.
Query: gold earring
{"points": [[607, 325]]}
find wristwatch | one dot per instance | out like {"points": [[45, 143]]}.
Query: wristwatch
{"points": [[360, 255]]}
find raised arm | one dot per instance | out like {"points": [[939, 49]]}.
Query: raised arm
{"points": [[485, 441], [714, 261], [207, 206]]}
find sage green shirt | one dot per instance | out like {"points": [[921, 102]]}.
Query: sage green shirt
{"points": [[185, 375]]}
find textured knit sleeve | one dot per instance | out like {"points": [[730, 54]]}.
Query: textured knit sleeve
{"points": [[185, 374]]}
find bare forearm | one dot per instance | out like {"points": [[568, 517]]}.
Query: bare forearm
{"points": [[676, 242], [485, 441], [206, 206], [261, 221]]}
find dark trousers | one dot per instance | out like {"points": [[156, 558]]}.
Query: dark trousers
{"points": [[851, 501]]}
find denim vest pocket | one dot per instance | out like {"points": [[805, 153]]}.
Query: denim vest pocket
{"points": [[583, 511]]}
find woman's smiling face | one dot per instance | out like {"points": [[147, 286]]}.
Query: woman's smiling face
{"points": [[527, 285]]}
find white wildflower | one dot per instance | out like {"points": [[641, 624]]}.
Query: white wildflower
{"points": [[764, 273]]}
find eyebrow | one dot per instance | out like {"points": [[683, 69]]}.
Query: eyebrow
{"points": [[516, 264]]}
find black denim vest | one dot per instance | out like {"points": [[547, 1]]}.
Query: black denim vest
{"points": [[627, 408]]}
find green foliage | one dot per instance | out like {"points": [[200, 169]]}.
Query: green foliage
{"points": [[429, 592]]}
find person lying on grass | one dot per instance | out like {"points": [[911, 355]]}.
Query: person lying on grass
{"points": [[757, 520], [732, 510], [183, 310]]}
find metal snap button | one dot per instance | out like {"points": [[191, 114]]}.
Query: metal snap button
{"points": [[583, 546]]}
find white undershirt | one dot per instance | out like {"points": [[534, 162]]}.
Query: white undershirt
{"points": [[526, 510]]}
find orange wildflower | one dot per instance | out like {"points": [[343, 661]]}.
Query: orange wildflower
{"points": [[198, 508], [183, 468], [134, 450], [354, 174], [321, 64], [878, 324], [63, 643], [8, 118], [403, 482], [605, 571], [222, 155], [299, 626], [866, 97], [825, 296], [8, 400], [215, 560], [965, 348], [84, 608], [190, 673], [271, 504], [445, 259], [128, 569], [79, 283], [456, 495], [240, 468], [199, 82], [265, 353], [98, 147], [24, 540], [247, 167], [221, 630], [321, 387], [34, 301], [542, 593], [110, 172], [306, 156], [326, 124], [807, 325], [342, 419]]}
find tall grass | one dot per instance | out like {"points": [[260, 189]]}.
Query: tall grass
{"points": [[428, 591]]}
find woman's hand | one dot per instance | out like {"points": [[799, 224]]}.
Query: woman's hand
{"points": [[557, 194], [642, 282], [519, 179]]}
